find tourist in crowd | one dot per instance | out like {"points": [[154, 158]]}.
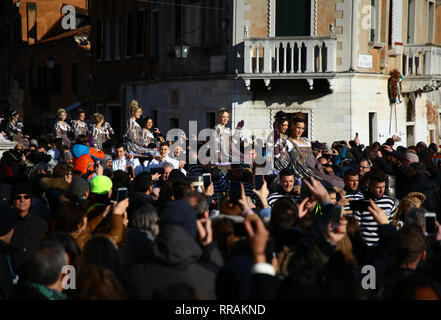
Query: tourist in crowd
{"points": [[161, 232]]}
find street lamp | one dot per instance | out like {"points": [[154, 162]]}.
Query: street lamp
{"points": [[181, 51]]}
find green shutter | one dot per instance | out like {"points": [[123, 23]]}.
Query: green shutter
{"points": [[293, 18]]}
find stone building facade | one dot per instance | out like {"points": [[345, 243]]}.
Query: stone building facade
{"points": [[329, 59]]}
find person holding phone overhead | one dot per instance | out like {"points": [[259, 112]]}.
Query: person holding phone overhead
{"points": [[227, 140]]}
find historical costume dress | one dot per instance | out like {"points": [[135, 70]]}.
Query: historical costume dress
{"points": [[64, 131]]}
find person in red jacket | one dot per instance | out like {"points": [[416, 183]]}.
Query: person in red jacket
{"points": [[85, 156]]}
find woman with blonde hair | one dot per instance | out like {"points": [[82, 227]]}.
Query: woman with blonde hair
{"points": [[101, 130], [135, 143], [62, 129]]}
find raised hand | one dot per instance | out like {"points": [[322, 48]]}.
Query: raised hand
{"points": [[258, 236], [205, 231], [318, 191], [336, 235], [378, 214]]}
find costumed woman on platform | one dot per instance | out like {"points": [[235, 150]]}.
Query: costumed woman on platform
{"points": [[287, 152], [135, 142], [62, 129], [78, 125], [101, 130], [225, 137], [14, 129]]}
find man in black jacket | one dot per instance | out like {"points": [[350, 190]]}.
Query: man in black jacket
{"points": [[8, 276], [30, 228], [408, 250], [176, 257]]}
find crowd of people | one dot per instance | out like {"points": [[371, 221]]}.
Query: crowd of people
{"points": [[136, 219]]}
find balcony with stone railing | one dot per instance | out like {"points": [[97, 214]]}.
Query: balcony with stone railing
{"points": [[422, 60], [272, 58], [421, 67]]}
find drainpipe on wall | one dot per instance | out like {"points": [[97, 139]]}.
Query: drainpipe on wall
{"points": [[353, 66]]}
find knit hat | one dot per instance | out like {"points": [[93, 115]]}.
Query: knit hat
{"points": [[107, 157], [78, 187], [66, 156], [100, 185], [21, 188], [179, 213], [8, 219]]}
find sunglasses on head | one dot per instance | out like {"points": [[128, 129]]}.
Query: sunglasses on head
{"points": [[26, 197]]}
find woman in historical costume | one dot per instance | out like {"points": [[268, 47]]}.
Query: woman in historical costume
{"points": [[101, 130], [62, 129], [78, 125], [227, 140], [135, 142], [306, 155], [285, 152], [14, 129], [150, 134]]}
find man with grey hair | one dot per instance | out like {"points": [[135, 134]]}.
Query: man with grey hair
{"points": [[44, 273], [415, 216], [410, 158]]}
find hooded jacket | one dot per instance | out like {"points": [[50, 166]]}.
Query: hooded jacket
{"points": [[175, 258], [84, 156]]}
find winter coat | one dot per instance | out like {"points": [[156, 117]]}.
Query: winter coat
{"points": [[175, 258], [27, 235], [115, 234], [54, 188], [136, 246], [421, 182], [84, 156]]}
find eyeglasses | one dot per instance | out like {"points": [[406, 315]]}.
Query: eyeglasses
{"points": [[25, 197]]}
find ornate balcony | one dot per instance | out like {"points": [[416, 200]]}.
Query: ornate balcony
{"points": [[289, 58], [421, 68], [422, 60]]}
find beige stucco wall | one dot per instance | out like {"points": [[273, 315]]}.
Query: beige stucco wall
{"points": [[326, 15], [258, 15]]}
